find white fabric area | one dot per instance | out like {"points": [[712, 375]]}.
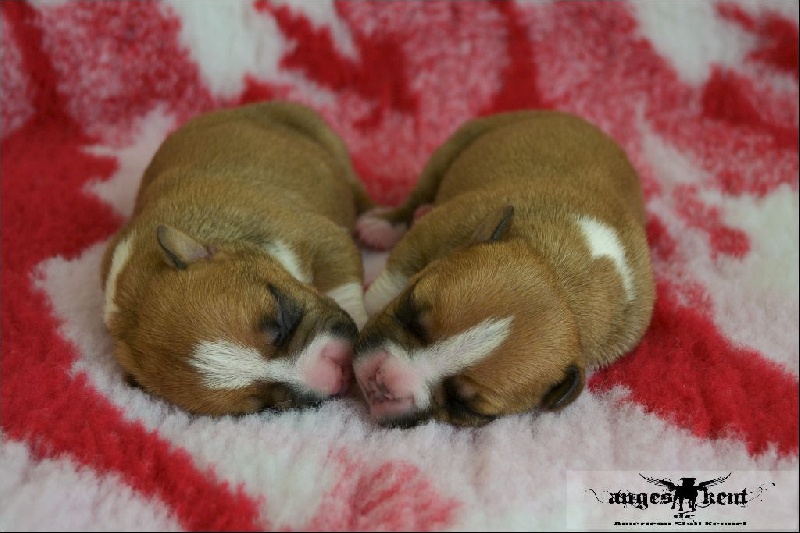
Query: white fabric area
{"points": [[33, 492]]}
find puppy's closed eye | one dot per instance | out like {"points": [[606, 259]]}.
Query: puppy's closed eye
{"points": [[280, 327], [408, 315]]}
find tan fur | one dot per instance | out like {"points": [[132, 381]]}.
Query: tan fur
{"points": [[234, 181], [568, 308]]}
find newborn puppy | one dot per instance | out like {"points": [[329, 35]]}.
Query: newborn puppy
{"points": [[236, 285], [531, 266]]}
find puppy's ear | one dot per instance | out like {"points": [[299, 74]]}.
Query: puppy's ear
{"points": [[565, 391], [179, 250], [131, 381], [495, 225], [127, 361]]}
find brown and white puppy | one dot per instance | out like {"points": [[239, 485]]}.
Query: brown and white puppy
{"points": [[531, 266], [236, 285]]}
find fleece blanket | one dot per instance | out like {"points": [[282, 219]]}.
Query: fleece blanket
{"points": [[703, 96]]}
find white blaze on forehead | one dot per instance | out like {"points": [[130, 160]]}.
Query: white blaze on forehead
{"points": [[122, 254], [350, 297], [282, 253], [450, 356], [229, 365], [383, 290], [603, 241]]}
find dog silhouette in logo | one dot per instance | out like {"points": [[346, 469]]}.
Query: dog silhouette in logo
{"points": [[687, 490]]}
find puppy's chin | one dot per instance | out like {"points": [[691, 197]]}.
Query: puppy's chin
{"points": [[264, 397], [401, 420], [403, 415], [283, 397], [401, 411], [410, 420]]}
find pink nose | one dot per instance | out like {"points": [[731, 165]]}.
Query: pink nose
{"points": [[337, 351], [388, 385], [331, 373]]}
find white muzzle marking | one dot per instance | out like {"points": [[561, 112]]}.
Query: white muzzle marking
{"points": [[229, 365]]}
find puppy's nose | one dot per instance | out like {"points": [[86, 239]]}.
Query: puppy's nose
{"points": [[389, 386], [331, 372]]}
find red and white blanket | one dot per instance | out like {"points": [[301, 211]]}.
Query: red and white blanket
{"points": [[702, 95]]}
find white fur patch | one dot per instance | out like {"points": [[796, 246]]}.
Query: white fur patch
{"points": [[230, 365], [383, 290], [603, 241], [350, 297], [122, 254], [451, 356], [289, 260]]}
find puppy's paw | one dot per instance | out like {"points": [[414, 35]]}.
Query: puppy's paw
{"points": [[374, 231], [421, 211]]}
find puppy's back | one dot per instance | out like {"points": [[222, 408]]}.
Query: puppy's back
{"points": [[262, 148], [545, 150]]}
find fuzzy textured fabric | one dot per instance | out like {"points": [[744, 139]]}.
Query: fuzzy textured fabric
{"points": [[702, 95]]}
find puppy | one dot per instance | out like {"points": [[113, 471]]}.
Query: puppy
{"points": [[236, 285], [531, 266]]}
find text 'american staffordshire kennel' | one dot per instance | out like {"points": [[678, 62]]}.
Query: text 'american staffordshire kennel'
{"points": [[531, 266], [236, 285]]}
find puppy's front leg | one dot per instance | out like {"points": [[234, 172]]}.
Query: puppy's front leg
{"points": [[338, 272], [446, 227], [381, 227]]}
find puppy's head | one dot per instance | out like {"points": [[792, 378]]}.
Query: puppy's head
{"points": [[224, 331], [483, 332]]}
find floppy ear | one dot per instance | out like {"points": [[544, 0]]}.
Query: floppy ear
{"points": [[131, 381], [565, 391], [179, 250], [126, 359], [495, 225]]}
